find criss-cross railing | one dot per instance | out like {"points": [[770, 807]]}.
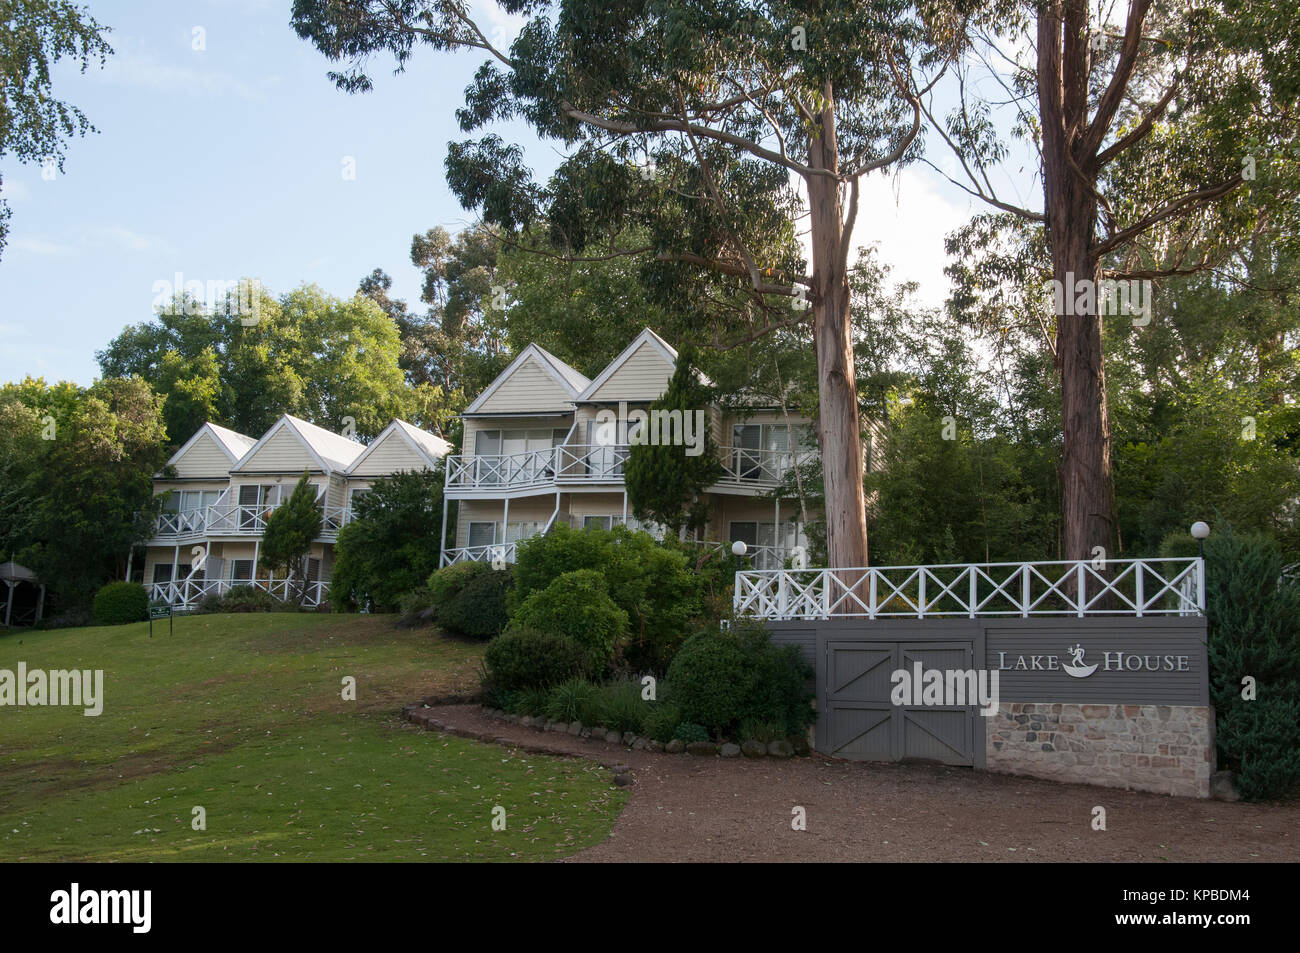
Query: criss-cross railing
{"points": [[189, 593], [224, 518], [1131, 587], [496, 553], [743, 466]]}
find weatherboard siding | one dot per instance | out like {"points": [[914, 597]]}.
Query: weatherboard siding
{"points": [[283, 453], [643, 376], [529, 389], [203, 460]]}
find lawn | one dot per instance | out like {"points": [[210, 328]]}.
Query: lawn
{"points": [[243, 715]]}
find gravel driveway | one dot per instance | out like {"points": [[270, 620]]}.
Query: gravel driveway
{"points": [[685, 808]]}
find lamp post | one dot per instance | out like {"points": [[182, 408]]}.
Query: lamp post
{"points": [[739, 549], [1200, 530]]}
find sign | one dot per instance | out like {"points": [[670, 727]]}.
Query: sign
{"points": [[161, 612]]}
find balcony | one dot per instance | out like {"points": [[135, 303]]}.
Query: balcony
{"points": [[224, 518], [554, 466], [570, 464]]}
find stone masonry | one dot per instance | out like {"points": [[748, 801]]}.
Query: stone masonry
{"points": [[1162, 748]]}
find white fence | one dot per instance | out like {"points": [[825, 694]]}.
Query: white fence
{"points": [[1128, 587], [224, 518], [188, 593]]}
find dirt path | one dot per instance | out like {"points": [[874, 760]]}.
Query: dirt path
{"points": [[685, 808]]}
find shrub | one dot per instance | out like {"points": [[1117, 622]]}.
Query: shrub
{"points": [[243, 599], [752, 729], [577, 605], [415, 608], [689, 731], [622, 708], [652, 583], [572, 700], [478, 610], [722, 679], [662, 720], [121, 602], [1254, 629], [447, 582], [521, 658]]}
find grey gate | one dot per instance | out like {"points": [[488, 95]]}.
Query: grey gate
{"points": [[855, 662]]}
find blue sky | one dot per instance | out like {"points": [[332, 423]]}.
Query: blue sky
{"points": [[228, 161]]}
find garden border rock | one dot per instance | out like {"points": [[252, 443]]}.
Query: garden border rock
{"points": [[576, 729]]}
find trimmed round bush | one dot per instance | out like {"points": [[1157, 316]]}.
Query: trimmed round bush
{"points": [[521, 658], [120, 602], [577, 605], [723, 679], [478, 610]]}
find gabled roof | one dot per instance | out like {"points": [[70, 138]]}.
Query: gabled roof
{"points": [[429, 447], [233, 445], [569, 379], [646, 336], [328, 449]]}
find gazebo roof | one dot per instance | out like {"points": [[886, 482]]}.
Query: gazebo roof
{"points": [[12, 572]]}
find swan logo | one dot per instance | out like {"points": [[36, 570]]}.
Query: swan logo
{"points": [[1076, 668]]}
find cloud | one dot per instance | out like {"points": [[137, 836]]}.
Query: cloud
{"points": [[130, 69], [37, 246], [123, 239], [12, 190]]}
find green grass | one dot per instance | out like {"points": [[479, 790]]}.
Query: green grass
{"points": [[243, 716]]}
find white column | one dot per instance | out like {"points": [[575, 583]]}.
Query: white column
{"points": [[176, 561], [9, 603], [442, 535], [625, 507], [130, 555]]}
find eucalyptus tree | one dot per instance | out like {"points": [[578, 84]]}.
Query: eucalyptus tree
{"points": [[1167, 135], [721, 130]]}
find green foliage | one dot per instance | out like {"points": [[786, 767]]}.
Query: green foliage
{"points": [[651, 583], [446, 583], [666, 484], [577, 606], [34, 125], [522, 658], [120, 602], [412, 606], [391, 544], [688, 731], [478, 610], [663, 720], [308, 353], [723, 679], [572, 700], [290, 529], [243, 599], [76, 490], [1254, 631], [622, 708]]}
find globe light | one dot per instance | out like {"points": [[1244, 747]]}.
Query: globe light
{"points": [[1200, 529], [738, 548]]}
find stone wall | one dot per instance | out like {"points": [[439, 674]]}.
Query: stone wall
{"points": [[1168, 749]]}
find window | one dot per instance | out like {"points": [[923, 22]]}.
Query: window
{"points": [[766, 451], [241, 570], [313, 570], [482, 534], [162, 572], [597, 522], [522, 529]]}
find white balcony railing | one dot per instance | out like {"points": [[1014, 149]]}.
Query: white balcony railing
{"points": [[188, 593], [501, 553], [223, 518], [568, 463], [761, 467], [1131, 587]]}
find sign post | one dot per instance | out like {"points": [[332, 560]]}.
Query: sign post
{"points": [[160, 612]]}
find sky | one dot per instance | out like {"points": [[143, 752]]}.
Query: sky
{"points": [[223, 151]]}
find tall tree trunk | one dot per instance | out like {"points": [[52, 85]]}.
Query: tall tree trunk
{"points": [[839, 426], [1070, 204]]}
